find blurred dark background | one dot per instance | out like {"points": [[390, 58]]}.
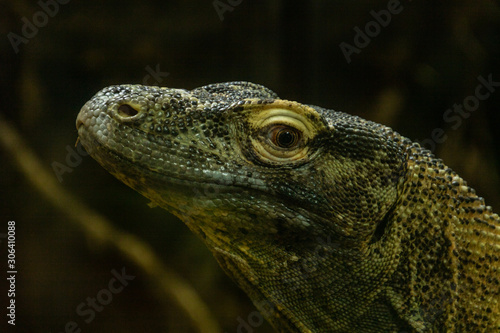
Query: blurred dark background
{"points": [[425, 60]]}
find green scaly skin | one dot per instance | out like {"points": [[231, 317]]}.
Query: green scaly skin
{"points": [[329, 222]]}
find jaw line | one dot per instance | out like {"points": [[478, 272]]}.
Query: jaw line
{"points": [[166, 186]]}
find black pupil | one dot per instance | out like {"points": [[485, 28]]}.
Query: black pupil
{"points": [[285, 138]]}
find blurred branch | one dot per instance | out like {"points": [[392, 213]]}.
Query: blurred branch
{"points": [[100, 229]]}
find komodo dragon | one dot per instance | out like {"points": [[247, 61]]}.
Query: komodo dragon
{"points": [[329, 222]]}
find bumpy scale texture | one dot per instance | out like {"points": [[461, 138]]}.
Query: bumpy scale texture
{"points": [[330, 223]]}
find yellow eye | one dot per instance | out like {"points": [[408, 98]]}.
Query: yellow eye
{"points": [[285, 136], [282, 135]]}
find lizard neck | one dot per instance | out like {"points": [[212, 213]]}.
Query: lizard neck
{"points": [[287, 282], [445, 231]]}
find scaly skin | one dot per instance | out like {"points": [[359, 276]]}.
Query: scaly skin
{"points": [[330, 223]]}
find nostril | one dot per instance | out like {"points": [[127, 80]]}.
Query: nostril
{"points": [[126, 110]]}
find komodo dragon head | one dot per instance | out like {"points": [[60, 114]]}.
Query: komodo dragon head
{"points": [[329, 222]]}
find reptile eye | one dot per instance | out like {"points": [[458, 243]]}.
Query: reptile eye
{"points": [[285, 136], [281, 136]]}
